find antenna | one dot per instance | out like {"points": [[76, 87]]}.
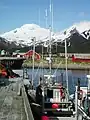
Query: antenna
{"points": [[50, 13], [52, 16], [39, 17], [46, 17]]}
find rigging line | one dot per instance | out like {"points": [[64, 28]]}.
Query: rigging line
{"points": [[45, 71], [57, 68], [37, 69]]}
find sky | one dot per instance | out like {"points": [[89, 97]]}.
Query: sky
{"points": [[15, 13]]}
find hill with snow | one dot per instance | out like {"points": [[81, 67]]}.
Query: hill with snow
{"points": [[77, 35]]}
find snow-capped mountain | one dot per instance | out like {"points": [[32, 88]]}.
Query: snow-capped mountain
{"points": [[26, 33], [83, 28], [23, 35]]}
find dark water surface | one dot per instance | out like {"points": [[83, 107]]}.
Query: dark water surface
{"points": [[73, 76]]}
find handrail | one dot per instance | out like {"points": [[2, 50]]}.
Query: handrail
{"points": [[84, 113]]}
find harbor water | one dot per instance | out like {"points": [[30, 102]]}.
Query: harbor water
{"points": [[73, 76]]}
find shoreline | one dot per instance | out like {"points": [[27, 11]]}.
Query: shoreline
{"points": [[61, 66]]}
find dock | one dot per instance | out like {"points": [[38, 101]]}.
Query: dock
{"points": [[60, 66], [13, 105]]}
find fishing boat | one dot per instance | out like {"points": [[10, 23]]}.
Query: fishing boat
{"points": [[56, 101]]}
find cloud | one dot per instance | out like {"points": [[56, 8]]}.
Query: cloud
{"points": [[82, 14]]}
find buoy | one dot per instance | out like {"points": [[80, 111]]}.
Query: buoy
{"points": [[45, 118], [4, 73], [54, 106]]}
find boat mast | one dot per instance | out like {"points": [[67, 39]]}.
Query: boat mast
{"points": [[50, 28], [66, 63], [52, 17], [33, 57], [46, 18]]}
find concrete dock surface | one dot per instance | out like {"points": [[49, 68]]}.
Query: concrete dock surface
{"points": [[11, 104]]}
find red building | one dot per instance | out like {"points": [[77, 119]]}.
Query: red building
{"points": [[29, 54]]}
